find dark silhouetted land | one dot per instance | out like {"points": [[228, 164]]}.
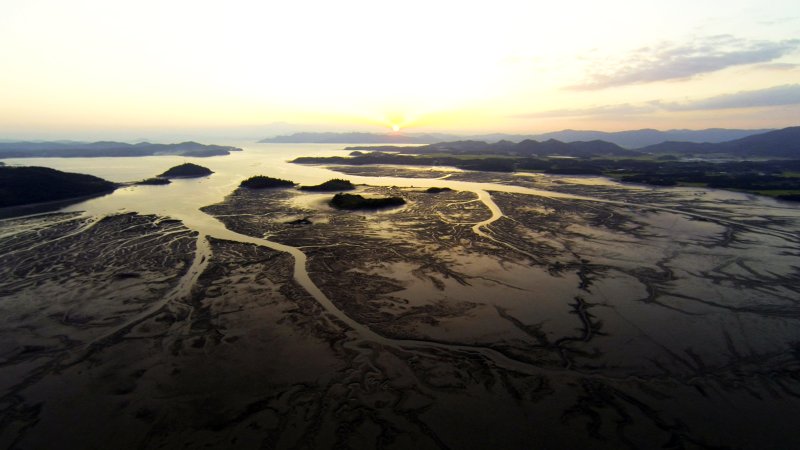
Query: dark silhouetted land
{"points": [[334, 185], [437, 190], [264, 182], [187, 170], [24, 185], [357, 202]]}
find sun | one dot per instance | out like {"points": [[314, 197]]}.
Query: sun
{"points": [[395, 128]]}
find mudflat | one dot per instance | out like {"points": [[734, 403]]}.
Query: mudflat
{"points": [[508, 312]]}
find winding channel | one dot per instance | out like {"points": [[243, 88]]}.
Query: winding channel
{"points": [[217, 229], [208, 226]]}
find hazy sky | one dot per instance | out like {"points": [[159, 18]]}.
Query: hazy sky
{"points": [[101, 66]]}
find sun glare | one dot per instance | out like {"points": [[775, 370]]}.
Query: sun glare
{"points": [[395, 128]]}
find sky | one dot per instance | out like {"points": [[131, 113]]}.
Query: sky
{"points": [[100, 68]]}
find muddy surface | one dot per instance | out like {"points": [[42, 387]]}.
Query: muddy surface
{"points": [[606, 317]]}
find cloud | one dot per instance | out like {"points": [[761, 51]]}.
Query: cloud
{"points": [[778, 66], [775, 96], [674, 62], [788, 94]]}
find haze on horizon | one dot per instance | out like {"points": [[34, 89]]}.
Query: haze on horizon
{"points": [[91, 68]]}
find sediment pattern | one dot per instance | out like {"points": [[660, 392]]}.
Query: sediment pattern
{"points": [[471, 318]]}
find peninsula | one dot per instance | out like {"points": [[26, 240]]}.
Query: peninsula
{"points": [[24, 185]]}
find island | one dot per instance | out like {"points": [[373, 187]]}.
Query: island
{"points": [[437, 190], [264, 182], [186, 170], [357, 202], [334, 185], [67, 149], [30, 184]]}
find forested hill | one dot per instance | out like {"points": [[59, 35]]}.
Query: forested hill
{"points": [[24, 185]]}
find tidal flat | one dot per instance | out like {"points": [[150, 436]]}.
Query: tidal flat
{"points": [[509, 312]]}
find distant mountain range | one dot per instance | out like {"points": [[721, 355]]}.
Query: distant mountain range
{"points": [[527, 147], [645, 137], [69, 149], [783, 143], [626, 139]]}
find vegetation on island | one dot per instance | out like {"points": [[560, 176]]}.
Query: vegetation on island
{"points": [[777, 179], [155, 181], [357, 202], [334, 185], [24, 185], [264, 182], [436, 190], [186, 170]]}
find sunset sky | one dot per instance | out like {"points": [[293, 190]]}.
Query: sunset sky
{"points": [[102, 68]]}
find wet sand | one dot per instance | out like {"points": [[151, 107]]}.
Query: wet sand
{"points": [[489, 317]]}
